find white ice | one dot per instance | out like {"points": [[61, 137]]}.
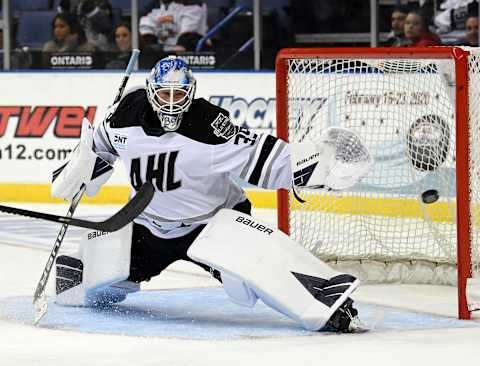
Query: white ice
{"points": [[24, 247]]}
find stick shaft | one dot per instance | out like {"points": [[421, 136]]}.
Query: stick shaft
{"points": [[56, 247], [39, 300], [128, 72]]}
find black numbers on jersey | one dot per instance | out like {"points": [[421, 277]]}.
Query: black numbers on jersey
{"points": [[160, 171], [245, 136]]}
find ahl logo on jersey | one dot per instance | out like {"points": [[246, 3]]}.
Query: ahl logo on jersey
{"points": [[119, 141], [223, 127]]}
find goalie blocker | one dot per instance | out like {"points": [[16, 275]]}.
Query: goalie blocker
{"points": [[84, 167]]}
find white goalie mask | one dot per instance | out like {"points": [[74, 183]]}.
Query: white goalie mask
{"points": [[170, 91]]}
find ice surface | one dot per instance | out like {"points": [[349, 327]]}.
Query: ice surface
{"points": [[183, 318], [204, 313]]}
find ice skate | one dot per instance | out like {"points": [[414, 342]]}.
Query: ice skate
{"points": [[345, 320]]}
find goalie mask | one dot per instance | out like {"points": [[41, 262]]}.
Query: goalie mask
{"points": [[170, 91]]}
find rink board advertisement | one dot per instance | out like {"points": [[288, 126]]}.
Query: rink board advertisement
{"points": [[41, 114]]}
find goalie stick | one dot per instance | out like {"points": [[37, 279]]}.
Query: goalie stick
{"points": [[40, 303], [132, 209]]}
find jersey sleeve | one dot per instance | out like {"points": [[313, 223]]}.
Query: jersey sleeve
{"points": [[259, 159]]}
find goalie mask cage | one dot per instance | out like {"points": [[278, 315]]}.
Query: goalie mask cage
{"points": [[418, 111]]}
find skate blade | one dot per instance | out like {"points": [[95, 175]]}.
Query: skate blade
{"points": [[356, 326]]}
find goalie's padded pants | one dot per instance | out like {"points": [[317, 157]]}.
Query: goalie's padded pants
{"points": [[150, 255]]}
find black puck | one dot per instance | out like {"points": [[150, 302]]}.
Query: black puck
{"points": [[430, 196]]}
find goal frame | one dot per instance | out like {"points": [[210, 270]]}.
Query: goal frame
{"points": [[460, 59]]}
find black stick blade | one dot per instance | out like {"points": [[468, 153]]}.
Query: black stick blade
{"points": [[126, 215], [131, 210]]}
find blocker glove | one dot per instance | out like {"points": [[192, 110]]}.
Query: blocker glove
{"points": [[84, 167]]}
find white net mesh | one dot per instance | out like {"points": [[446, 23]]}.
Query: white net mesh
{"points": [[404, 112], [474, 129]]}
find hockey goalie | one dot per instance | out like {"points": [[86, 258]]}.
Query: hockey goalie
{"points": [[190, 150]]}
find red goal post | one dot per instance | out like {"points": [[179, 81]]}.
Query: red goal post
{"points": [[406, 104]]}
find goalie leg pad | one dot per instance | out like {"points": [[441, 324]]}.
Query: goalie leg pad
{"points": [[96, 274], [259, 261], [68, 279], [238, 290]]}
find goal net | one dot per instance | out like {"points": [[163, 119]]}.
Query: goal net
{"points": [[414, 218]]}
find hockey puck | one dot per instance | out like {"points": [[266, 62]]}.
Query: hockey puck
{"points": [[430, 196]]}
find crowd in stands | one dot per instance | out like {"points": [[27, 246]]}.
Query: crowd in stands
{"points": [[176, 26], [456, 23], [410, 29], [68, 35], [98, 27], [173, 22]]}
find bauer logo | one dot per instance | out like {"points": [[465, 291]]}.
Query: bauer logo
{"points": [[254, 225], [119, 141], [95, 234]]}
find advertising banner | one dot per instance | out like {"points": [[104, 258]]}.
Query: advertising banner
{"points": [[41, 114]]}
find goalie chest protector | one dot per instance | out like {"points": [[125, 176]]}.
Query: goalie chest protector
{"points": [[189, 168]]}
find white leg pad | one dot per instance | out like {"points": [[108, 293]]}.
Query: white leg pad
{"points": [[238, 290], [96, 274], [259, 261]]}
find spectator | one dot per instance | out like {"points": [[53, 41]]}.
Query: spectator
{"points": [[453, 15], [396, 38], [96, 17], [165, 24], [417, 31], [68, 36], [123, 47], [471, 32], [123, 38]]}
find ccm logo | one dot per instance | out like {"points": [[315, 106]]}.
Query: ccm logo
{"points": [[254, 225]]}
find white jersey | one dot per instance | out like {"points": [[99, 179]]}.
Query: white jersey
{"points": [[191, 168], [453, 15], [184, 19]]}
